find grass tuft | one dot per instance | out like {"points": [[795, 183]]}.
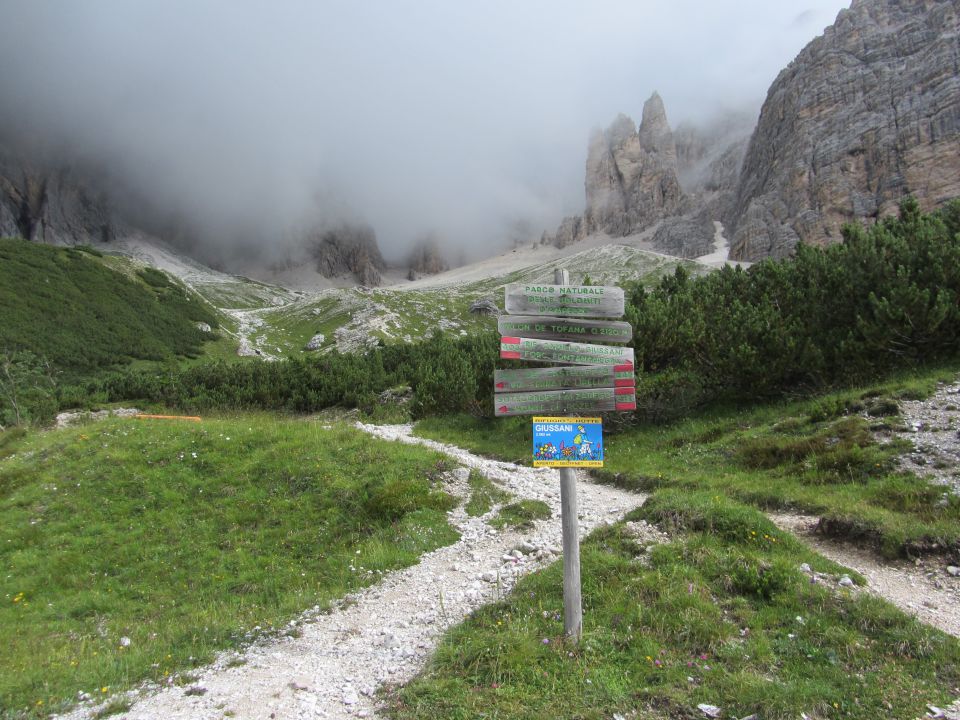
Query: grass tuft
{"points": [[521, 515], [484, 494], [114, 707]]}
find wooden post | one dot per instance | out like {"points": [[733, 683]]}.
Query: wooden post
{"points": [[572, 606]]}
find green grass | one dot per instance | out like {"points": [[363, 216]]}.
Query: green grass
{"points": [[241, 293], [521, 515], [484, 494], [817, 455], [508, 439], [188, 539], [68, 306], [721, 615]]}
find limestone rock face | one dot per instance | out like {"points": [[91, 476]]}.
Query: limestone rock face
{"points": [[348, 249], [631, 174], [867, 113], [571, 229], [51, 205], [426, 258], [687, 236]]}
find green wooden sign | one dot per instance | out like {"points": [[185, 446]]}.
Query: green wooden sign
{"points": [[568, 353], [555, 328], [564, 300], [565, 401], [560, 378]]}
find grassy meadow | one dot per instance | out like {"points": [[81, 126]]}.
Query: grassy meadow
{"points": [[723, 614], [131, 550]]}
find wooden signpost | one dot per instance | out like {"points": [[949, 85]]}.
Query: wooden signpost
{"points": [[553, 328], [569, 353], [560, 378], [548, 323], [564, 300]]}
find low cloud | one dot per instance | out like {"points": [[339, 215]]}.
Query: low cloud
{"points": [[247, 120]]}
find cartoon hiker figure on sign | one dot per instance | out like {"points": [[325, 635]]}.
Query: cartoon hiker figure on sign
{"points": [[583, 443], [585, 448]]}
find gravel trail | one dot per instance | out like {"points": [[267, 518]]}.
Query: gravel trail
{"points": [[933, 425], [385, 633], [923, 588]]}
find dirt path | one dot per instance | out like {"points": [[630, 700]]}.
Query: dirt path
{"points": [[384, 634], [923, 588]]}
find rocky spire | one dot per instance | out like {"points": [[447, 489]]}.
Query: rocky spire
{"points": [[631, 179]]}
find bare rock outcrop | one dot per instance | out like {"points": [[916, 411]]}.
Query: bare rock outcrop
{"points": [[708, 161], [51, 204], [866, 114], [631, 178], [484, 306], [426, 258], [687, 236], [349, 249], [571, 229]]}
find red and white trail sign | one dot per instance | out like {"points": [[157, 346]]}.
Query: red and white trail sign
{"points": [[565, 401], [560, 378], [568, 353]]}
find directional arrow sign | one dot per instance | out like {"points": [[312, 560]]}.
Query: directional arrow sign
{"points": [[564, 300], [564, 401], [555, 328], [568, 353], [559, 378]]}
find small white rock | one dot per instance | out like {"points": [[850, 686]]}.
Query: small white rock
{"points": [[711, 711]]}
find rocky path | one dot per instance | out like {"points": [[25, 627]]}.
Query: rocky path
{"points": [[249, 326], [384, 634], [924, 588], [933, 425]]}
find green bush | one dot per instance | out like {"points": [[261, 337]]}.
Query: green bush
{"points": [[64, 305], [26, 389], [886, 297]]}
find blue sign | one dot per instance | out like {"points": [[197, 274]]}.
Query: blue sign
{"points": [[567, 442]]}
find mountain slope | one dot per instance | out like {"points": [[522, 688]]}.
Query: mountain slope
{"points": [[66, 305]]}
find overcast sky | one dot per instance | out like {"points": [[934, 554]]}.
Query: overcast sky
{"points": [[449, 115]]}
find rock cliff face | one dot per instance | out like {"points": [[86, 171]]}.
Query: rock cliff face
{"points": [[426, 258], [631, 179], [50, 205], [688, 236], [348, 249], [867, 113]]}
